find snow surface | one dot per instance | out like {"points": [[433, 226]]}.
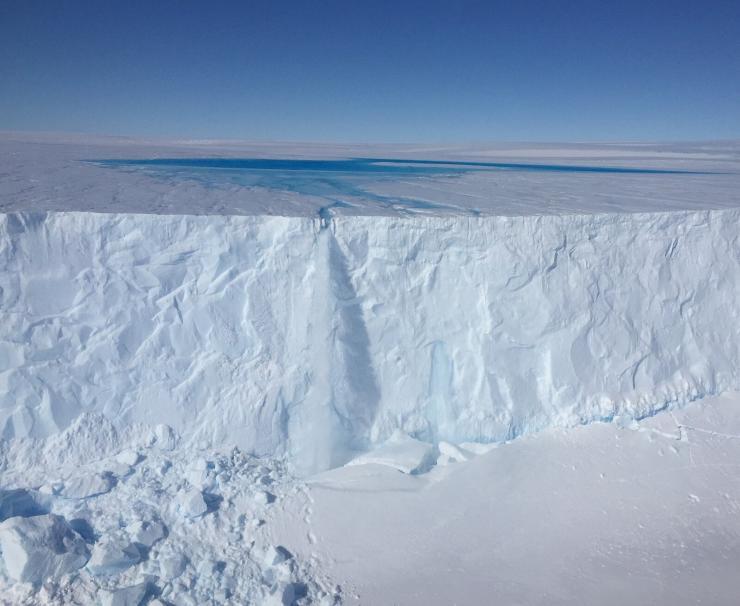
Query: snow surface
{"points": [[180, 354], [602, 514]]}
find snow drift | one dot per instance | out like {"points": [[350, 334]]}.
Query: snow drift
{"points": [[319, 338]]}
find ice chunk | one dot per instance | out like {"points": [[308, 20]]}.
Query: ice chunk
{"points": [[477, 448], [199, 474], [401, 452], [164, 437], [40, 547], [118, 470], [84, 487], [128, 457], [172, 566], [263, 497], [286, 593], [51, 488], [192, 504], [111, 555], [20, 502], [128, 596], [146, 533], [276, 554], [451, 453]]}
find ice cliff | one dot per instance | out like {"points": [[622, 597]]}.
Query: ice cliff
{"points": [[317, 338]]}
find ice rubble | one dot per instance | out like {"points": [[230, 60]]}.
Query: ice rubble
{"points": [[318, 339], [135, 543], [40, 547]]}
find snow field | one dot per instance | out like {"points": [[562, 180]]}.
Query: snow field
{"points": [[607, 513]]}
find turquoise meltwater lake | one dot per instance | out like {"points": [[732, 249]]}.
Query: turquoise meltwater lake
{"points": [[339, 180]]}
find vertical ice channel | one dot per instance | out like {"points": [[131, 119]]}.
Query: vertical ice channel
{"points": [[440, 415], [335, 419]]}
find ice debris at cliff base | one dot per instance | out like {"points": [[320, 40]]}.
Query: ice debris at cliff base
{"points": [[646, 509], [167, 525]]}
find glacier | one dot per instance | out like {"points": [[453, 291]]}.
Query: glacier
{"points": [[223, 387], [317, 338]]}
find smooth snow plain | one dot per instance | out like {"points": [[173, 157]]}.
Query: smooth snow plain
{"points": [[184, 348]]}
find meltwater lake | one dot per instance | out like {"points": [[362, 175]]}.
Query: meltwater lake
{"points": [[339, 180]]}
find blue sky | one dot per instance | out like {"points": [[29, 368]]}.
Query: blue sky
{"points": [[373, 71]]}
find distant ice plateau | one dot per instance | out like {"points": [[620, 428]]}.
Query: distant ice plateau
{"points": [[283, 324]]}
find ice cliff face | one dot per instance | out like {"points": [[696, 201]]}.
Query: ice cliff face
{"points": [[319, 338]]}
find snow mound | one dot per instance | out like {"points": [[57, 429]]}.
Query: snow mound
{"points": [[401, 452]]}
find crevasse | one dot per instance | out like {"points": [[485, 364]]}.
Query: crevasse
{"points": [[315, 339]]}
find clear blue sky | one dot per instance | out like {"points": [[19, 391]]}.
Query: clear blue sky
{"points": [[373, 70]]}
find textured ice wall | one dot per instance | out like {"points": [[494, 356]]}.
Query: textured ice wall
{"points": [[311, 338]]}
